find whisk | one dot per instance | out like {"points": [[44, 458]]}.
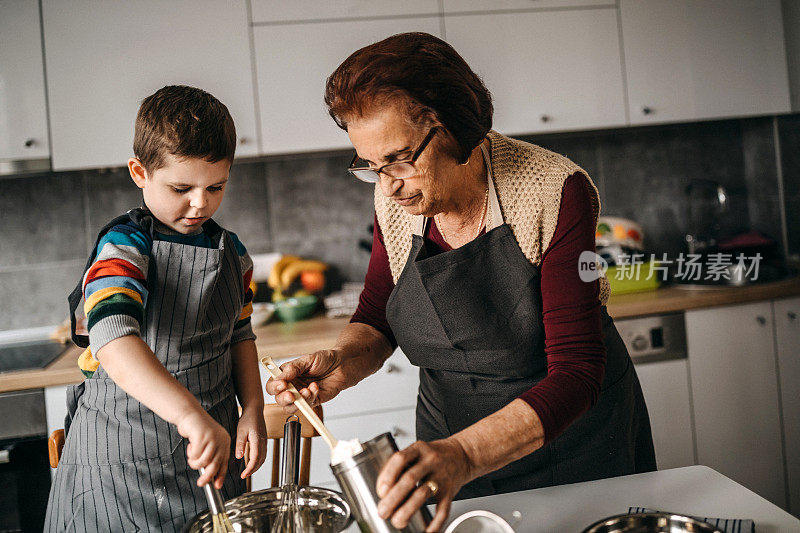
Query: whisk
{"points": [[219, 518], [289, 518]]}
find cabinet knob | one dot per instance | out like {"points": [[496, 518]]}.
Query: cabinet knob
{"points": [[29, 143], [390, 368], [647, 110], [792, 315], [545, 118], [397, 432], [761, 320], [243, 140]]}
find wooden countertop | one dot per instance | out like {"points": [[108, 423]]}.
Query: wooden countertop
{"points": [[287, 340]]}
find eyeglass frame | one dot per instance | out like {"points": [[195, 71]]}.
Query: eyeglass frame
{"points": [[378, 171]]}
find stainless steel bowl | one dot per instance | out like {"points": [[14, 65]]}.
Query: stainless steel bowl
{"points": [[323, 511], [650, 523]]}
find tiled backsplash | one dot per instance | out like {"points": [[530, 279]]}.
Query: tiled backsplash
{"points": [[309, 204]]}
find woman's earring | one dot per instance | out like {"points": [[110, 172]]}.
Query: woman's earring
{"points": [[465, 163]]}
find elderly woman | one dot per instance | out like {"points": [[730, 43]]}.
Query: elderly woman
{"points": [[474, 274]]}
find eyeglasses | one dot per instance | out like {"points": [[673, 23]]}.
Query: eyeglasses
{"points": [[397, 169]]}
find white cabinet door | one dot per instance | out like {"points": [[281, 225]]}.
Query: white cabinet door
{"points": [[700, 59], [665, 386], [547, 70], [23, 111], [787, 327], [266, 11], [451, 6], [103, 58], [735, 395], [293, 61], [55, 404]]}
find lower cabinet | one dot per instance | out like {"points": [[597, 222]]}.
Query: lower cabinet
{"points": [[55, 403], [734, 383], [787, 337], [665, 385]]}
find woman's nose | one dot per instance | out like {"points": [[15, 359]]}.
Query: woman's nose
{"points": [[389, 185]]}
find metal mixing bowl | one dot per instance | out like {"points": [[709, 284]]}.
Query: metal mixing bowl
{"points": [[323, 511], [650, 523]]}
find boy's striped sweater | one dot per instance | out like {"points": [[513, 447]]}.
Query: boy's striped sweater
{"points": [[115, 286]]}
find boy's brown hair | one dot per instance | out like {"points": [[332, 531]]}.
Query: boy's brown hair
{"points": [[184, 122]]}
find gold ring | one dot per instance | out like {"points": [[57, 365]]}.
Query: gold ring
{"points": [[432, 486]]}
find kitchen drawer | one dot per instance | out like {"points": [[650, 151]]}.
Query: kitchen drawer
{"points": [[394, 386], [266, 11], [401, 423], [22, 414]]}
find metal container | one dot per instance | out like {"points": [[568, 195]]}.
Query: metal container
{"points": [[322, 510], [357, 477], [650, 523]]}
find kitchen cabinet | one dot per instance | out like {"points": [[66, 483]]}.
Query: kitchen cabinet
{"points": [[457, 6], [55, 405], [23, 109], [734, 387], [665, 385], [269, 11], [292, 63], [547, 70], [103, 58], [787, 337], [702, 59]]}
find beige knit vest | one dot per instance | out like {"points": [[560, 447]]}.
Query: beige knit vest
{"points": [[528, 179]]}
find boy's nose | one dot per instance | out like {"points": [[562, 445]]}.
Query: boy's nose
{"points": [[199, 200]]}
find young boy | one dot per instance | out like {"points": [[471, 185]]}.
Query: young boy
{"points": [[171, 348]]}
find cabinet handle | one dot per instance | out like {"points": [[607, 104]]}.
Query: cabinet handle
{"points": [[390, 368], [397, 432], [646, 110], [545, 118], [761, 320], [243, 140], [792, 315], [29, 143]]}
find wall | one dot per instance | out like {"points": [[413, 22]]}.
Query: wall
{"points": [[308, 204]]}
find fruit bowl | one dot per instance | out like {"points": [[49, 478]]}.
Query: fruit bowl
{"points": [[294, 309]]}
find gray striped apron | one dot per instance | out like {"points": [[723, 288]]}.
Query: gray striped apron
{"points": [[123, 468], [471, 319]]}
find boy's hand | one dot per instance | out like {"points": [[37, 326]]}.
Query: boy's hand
{"points": [[209, 446], [251, 429]]}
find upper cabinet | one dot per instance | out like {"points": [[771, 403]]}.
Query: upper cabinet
{"points": [[547, 70], [266, 11], [23, 110], [457, 6], [702, 59], [293, 61], [103, 58]]}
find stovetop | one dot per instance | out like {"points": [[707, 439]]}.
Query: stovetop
{"points": [[25, 355]]}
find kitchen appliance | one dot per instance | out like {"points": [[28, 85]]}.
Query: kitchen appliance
{"points": [[357, 476], [322, 510], [654, 338], [24, 468], [651, 523], [29, 353]]}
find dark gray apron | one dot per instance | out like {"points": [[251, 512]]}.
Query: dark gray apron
{"points": [[471, 319], [123, 468]]}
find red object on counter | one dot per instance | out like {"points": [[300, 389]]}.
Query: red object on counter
{"points": [[570, 307]]}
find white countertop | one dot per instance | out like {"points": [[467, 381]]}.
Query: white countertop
{"points": [[692, 490]]}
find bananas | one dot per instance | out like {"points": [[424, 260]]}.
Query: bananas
{"points": [[288, 268], [274, 279], [293, 269]]}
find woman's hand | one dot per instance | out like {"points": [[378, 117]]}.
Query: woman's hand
{"points": [[209, 446], [251, 430], [403, 484], [318, 377]]}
